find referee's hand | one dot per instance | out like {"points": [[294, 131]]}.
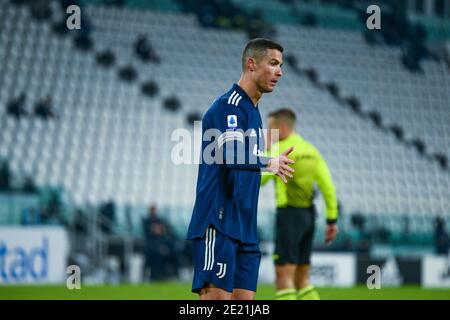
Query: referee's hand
{"points": [[330, 233], [280, 165]]}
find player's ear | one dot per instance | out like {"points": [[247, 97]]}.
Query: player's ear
{"points": [[251, 64]]}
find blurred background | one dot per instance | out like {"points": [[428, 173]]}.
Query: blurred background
{"points": [[86, 118]]}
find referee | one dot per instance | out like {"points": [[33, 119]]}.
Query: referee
{"points": [[296, 213]]}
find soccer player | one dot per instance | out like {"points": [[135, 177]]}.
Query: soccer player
{"points": [[223, 223], [295, 218]]}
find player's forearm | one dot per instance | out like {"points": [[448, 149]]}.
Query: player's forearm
{"points": [[235, 156], [248, 164]]}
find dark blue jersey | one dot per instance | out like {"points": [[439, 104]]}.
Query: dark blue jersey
{"points": [[230, 169]]}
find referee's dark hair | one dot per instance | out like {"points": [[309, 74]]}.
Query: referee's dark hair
{"points": [[286, 115], [257, 48]]}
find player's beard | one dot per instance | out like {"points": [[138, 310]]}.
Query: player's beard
{"points": [[265, 87]]}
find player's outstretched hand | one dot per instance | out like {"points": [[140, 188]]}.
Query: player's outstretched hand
{"points": [[280, 165], [330, 233]]}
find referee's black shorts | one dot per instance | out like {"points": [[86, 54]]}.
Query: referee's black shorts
{"points": [[294, 233]]}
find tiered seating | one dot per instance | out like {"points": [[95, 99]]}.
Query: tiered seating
{"points": [[111, 142], [417, 102], [280, 12]]}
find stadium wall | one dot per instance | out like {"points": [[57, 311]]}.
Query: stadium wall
{"points": [[33, 255], [39, 255], [350, 269]]}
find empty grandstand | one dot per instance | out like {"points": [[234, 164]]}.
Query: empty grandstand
{"points": [[109, 141]]}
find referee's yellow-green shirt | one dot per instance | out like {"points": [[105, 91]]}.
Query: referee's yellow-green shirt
{"points": [[309, 168]]}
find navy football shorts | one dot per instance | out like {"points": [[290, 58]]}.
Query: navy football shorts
{"points": [[224, 262]]}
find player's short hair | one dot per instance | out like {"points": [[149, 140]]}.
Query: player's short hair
{"points": [[257, 48], [286, 115]]}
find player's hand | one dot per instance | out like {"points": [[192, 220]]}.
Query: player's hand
{"points": [[280, 165], [330, 233]]}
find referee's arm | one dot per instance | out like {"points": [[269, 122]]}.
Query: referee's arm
{"points": [[326, 186], [266, 176]]}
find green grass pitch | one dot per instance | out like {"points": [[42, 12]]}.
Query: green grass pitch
{"points": [[181, 291]]}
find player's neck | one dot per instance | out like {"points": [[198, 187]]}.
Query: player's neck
{"points": [[250, 89]]}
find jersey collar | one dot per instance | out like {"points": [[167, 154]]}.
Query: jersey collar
{"points": [[245, 96]]}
